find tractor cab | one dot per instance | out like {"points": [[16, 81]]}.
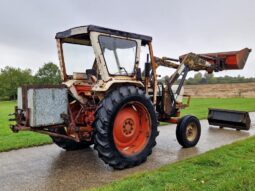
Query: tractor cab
{"points": [[100, 56]]}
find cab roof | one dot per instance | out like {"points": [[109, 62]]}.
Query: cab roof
{"points": [[79, 32]]}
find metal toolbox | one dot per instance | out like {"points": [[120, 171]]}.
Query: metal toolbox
{"points": [[44, 104]]}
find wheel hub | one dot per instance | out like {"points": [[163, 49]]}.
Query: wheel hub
{"points": [[191, 132], [132, 128], [128, 127]]}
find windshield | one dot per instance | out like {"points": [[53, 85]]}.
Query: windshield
{"points": [[119, 55], [78, 58]]}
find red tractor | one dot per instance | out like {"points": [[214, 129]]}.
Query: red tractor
{"points": [[111, 96]]}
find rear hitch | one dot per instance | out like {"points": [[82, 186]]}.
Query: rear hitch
{"points": [[11, 114], [14, 128]]}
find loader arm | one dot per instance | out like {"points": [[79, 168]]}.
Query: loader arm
{"points": [[210, 62]]}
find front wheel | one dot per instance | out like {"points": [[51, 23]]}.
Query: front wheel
{"points": [[125, 127], [188, 131]]}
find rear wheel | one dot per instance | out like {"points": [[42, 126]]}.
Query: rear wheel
{"points": [[68, 144], [125, 128], [188, 131]]}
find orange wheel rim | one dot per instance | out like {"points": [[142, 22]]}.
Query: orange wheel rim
{"points": [[132, 128]]}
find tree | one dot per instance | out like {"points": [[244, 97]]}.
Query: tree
{"points": [[48, 74], [210, 79], [11, 78], [198, 77]]}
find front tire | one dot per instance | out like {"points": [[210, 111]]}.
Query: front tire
{"points": [[125, 127], [188, 131]]}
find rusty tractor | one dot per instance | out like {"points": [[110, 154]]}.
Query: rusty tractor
{"points": [[111, 95]]}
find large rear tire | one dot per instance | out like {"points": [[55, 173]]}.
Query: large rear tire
{"points": [[68, 144], [125, 127]]}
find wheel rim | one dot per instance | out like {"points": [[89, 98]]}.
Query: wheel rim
{"points": [[132, 128], [191, 132]]}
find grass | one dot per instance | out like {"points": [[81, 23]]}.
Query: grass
{"points": [[228, 168], [10, 140], [198, 107]]}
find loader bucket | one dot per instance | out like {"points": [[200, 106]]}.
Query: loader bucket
{"points": [[233, 60], [239, 120]]}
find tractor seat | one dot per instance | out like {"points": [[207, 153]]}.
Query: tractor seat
{"points": [[80, 76]]}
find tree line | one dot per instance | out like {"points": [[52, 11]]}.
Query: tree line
{"points": [[199, 78], [11, 78]]}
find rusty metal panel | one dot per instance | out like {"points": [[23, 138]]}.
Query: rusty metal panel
{"points": [[46, 105], [22, 94], [229, 118]]}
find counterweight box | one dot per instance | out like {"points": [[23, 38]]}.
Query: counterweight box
{"points": [[44, 104]]}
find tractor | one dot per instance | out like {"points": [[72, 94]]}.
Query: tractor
{"points": [[112, 97]]}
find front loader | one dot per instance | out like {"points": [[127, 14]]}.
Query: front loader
{"points": [[106, 99]]}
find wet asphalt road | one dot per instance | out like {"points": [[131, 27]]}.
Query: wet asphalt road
{"points": [[51, 168]]}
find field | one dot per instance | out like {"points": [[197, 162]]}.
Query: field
{"points": [[228, 168], [10, 140], [221, 90], [199, 108]]}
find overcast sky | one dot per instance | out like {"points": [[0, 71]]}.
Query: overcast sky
{"points": [[28, 27]]}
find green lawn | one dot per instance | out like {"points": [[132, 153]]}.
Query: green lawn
{"points": [[228, 168], [10, 140], [198, 107]]}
